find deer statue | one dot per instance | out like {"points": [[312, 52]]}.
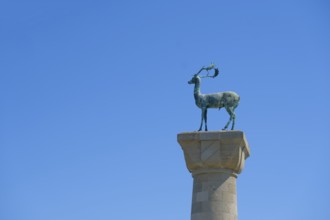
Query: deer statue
{"points": [[228, 100]]}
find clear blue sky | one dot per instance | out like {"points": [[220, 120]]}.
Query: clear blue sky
{"points": [[93, 94]]}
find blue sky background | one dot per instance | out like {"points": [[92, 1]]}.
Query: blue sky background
{"points": [[93, 94]]}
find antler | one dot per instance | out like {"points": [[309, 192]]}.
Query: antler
{"points": [[206, 68], [203, 68], [212, 66], [216, 72]]}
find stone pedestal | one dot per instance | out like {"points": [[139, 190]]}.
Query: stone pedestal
{"points": [[214, 160]]}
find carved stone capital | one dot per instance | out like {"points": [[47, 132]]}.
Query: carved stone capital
{"points": [[215, 151]]}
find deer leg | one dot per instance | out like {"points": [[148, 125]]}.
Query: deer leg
{"points": [[234, 117], [205, 118], [230, 112], [200, 127]]}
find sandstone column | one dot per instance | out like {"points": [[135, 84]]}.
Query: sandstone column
{"points": [[214, 160]]}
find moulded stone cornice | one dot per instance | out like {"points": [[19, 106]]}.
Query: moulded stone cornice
{"points": [[214, 151]]}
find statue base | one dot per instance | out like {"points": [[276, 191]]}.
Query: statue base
{"points": [[214, 159]]}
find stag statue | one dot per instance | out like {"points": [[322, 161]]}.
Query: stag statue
{"points": [[228, 100]]}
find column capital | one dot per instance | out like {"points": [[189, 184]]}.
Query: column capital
{"points": [[214, 151]]}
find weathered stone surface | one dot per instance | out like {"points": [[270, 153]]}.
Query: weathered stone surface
{"points": [[214, 150], [214, 159]]}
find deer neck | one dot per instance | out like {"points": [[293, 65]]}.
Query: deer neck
{"points": [[197, 89]]}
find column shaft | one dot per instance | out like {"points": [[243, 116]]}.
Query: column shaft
{"points": [[214, 197]]}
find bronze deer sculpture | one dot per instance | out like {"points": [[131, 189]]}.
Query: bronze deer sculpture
{"points": [[227, 100]]}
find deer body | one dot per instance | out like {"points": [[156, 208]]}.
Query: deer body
{"points": [[227, 100]]}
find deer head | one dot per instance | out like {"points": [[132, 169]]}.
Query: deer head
{"points": [[193, 79]]}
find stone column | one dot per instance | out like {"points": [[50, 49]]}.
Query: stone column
{"points": [[214, 160]]}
